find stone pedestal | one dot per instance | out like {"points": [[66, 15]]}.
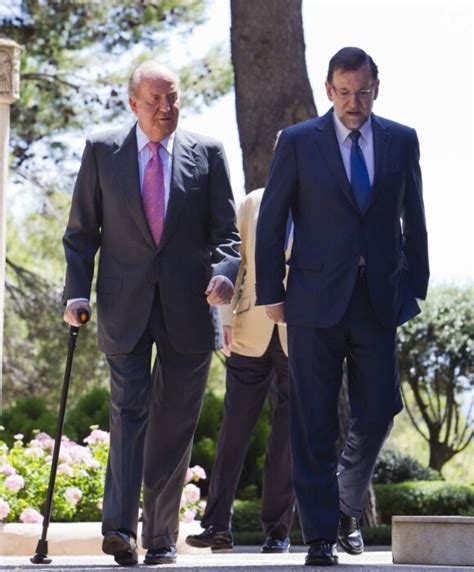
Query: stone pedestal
{"points": [[9, 92], [435, 540]]}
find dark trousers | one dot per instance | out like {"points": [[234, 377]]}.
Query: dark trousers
{"points": [[248, 382], [325, 484], [153, 417]]}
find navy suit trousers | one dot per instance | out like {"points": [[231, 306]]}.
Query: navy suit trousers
{"points": [[325, 483]]}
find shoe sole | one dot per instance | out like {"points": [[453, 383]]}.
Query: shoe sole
{"points": [[203, 544], [319, 562], [121, 550], [158, 561], [350, 550]]}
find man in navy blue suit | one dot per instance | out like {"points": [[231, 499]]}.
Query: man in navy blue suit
{"points": [[359, 262]]}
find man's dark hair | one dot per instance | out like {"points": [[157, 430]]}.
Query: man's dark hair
{"points": [[351, 59]]}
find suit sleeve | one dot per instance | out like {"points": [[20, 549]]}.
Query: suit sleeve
{"points": [[224, 240], [83, 233], [272, 221], [415, 238]]}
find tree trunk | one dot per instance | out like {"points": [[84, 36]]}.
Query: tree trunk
{"points": [[272, 88], [440, 454]]}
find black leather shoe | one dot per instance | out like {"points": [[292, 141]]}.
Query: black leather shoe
{"points": [[322, 553], [349, 534], [276, 545], [122, 546], [217, 540], [163, 555]]}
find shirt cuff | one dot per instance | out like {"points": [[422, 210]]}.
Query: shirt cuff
{"points": [[69, 302], [229, 282]]}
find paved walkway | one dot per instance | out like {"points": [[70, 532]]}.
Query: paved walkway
{"points": [[243, 559]]}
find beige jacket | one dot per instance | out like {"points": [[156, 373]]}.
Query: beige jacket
{"points": [[252, 329]]}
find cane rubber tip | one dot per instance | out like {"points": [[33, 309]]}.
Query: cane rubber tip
{"points": [[40, 559]]}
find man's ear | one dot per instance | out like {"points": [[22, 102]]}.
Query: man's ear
{"points": [[132, 101], [376, 90], [328, 90]]}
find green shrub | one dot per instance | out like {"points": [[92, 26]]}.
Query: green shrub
{"points": [[395, 467], [246, 517], [422, 498], [90, 409], [378, 535], [25, 416]]}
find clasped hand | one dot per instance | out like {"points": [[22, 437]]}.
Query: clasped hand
{"points": [[219, 291]]}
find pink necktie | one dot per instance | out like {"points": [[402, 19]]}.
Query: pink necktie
{"points": [[154, 192]]}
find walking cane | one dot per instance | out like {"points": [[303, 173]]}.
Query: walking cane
{"points": [[41, 556]]}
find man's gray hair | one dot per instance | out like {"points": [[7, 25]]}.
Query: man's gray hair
{"points": [[149, 68]]}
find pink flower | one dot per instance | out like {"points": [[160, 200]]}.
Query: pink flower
{"points": [[189, 475], [18, 436], [198, 472], [65, 469], [43, 440], [97, 436], [192, 493], [30, 515], [189, 515], [73, 495], [15, 483], [7, 469], [34, 452], [182, 501], [202, 506], [4, 509]]}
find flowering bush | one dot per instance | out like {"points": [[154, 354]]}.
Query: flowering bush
{"points": [[24, 478]]}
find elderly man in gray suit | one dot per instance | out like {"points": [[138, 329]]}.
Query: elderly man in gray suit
{"points": [[157, 203]]}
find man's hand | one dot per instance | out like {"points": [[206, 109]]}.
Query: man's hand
{"points": [[219, 291], [227, 340], [276, 313], [70, 314]]}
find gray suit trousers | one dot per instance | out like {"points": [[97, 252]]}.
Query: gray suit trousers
{"points": [[153, 417]]}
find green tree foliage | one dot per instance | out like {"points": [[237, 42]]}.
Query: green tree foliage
{"points": [[73, 64], [436, 362]]}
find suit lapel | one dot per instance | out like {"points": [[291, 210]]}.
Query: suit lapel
{"points": [[326, 140], [184, 167], [126, 166], [382, 141]]}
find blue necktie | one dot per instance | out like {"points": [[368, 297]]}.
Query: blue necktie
{"points": [[360, 181]]}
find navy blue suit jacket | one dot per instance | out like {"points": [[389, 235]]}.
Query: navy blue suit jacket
{"points": [[307, 175]]}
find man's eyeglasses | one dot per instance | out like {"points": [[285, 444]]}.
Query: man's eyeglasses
{"points": [[362, 95]]}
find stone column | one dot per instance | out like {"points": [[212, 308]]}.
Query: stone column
{"points": [[9, 92]]}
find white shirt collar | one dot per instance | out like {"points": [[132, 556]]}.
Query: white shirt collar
{"points": [[142, 141], [342, 133]]}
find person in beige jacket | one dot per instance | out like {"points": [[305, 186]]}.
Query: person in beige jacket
{"points": [[257, 367]]}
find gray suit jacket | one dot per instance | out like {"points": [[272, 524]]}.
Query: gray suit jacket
{"points": [[199, 240]]}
